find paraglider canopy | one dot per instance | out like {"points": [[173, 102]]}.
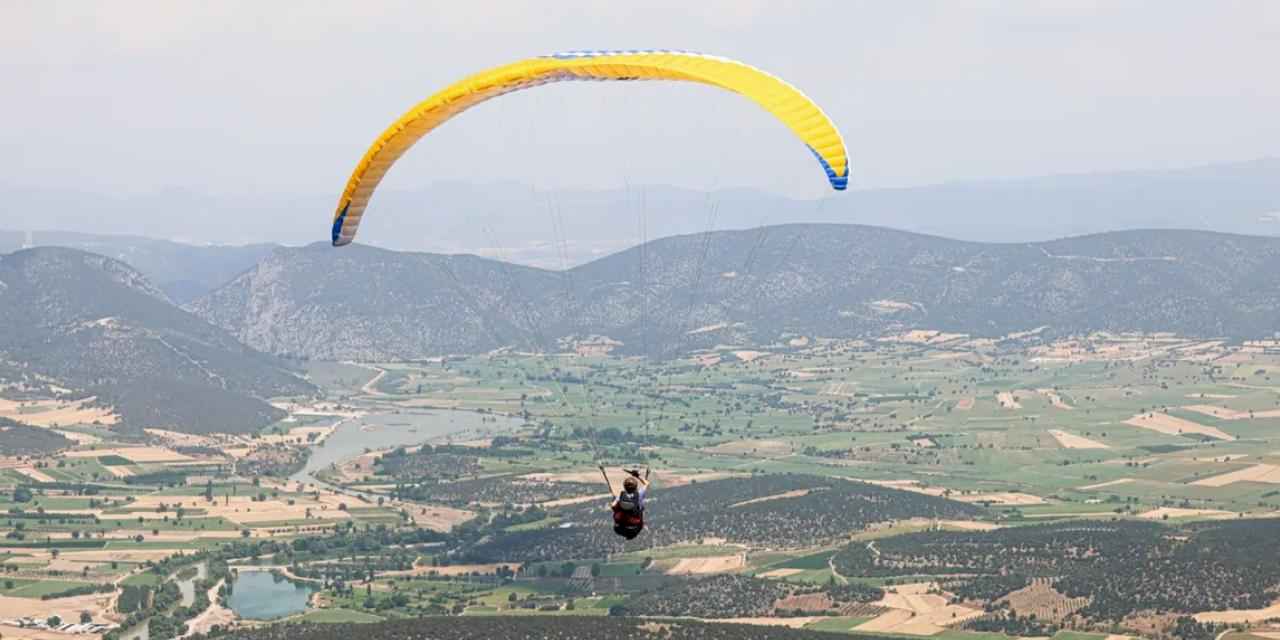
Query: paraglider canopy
{"points": [[800, 114]]}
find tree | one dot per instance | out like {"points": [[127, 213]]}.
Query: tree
{"points": [[54, 621], [86, 617]]}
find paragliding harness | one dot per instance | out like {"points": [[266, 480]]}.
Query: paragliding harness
{"points": [[628, 509], [628, 515]]}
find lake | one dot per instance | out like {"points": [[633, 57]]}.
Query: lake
{"points": [[262, 595]]}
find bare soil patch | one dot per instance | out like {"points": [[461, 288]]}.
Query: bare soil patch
{"points": [[1072, 441], [713, 564], [56, 413], [117, 555], [66, 608], [1055, 399], [1103, 485], [1236, 616], [1008, 400], [244, 510], [79, 438], [781, 573], [120, 471], [781, 496], [1173, 425], [1223, 413], [1177, 512], [436, 517], [135, 454], [755, 447], [968, 525], [35, 474], [798, 622], [914, 611], [564, 502], [460, 569], [1010, 498], [886, 621], [1268, 473], [178, 439], [804, 602]]}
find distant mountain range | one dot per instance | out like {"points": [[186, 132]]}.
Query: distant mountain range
{"points": [[556, 229], [96, 326], [182, 271], [750, 287]]}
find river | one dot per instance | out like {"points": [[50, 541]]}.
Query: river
{"points": [[260, 595], [388, 430], [186, 586]]}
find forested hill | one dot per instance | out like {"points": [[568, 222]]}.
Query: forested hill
{"points": [[98, 327], [752, 287]]}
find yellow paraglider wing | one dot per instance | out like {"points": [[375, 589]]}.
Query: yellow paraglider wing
{"points": [[784, 101]]}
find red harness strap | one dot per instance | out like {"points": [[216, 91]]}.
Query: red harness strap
{"points": [[627, 519]]}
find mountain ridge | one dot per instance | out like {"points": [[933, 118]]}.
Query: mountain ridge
{"points": [[752, 287]]}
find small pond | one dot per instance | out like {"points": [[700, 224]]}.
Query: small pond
{"points": [[262, 595]]}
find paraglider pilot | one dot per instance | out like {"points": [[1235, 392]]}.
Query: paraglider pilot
{"points": [[628, 505]]}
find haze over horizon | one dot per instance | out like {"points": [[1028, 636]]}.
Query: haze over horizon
{"points": [[239, 124], [241, 99]]}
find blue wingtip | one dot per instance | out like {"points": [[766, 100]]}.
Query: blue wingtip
{"points": [[337, 226], [838, 182]]}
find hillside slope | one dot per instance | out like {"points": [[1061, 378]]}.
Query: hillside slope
{"points": [[370, 304], [97, 326]]}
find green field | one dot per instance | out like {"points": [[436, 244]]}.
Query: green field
{"points": [[968, 422], [36, 588], [337, 616]]}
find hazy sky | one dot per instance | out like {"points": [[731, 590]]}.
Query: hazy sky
{"points": [[283, 97]]}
